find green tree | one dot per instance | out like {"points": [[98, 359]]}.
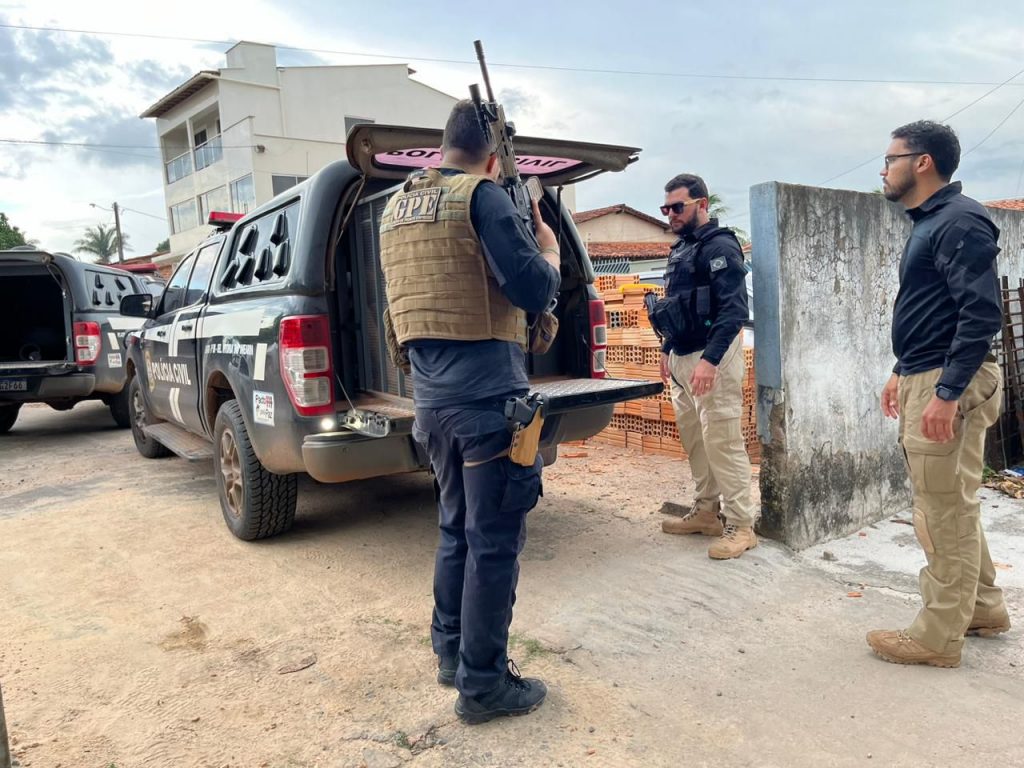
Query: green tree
{"points": [[164, 245], [101, 242], [10, 235], [717, 209]]}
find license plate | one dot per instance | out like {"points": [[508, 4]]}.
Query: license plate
{"points": [[13, 385]]}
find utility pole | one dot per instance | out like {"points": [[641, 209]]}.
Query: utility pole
{"points": [[120, 248], [5, 747]]}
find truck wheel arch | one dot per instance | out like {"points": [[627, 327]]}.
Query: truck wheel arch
{"points": [[218, 392]]}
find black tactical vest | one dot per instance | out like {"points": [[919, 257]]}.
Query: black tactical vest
{"points": [[685, 315]]}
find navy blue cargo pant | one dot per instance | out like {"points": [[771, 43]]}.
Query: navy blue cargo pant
{"points": [[483, 503]]}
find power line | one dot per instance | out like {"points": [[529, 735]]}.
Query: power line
{"points": [[874, 158], [143, 213], [89, 145], [514, 65], [1000, 125]]}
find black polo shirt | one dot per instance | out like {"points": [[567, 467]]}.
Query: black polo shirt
{"points": [[948, 306]]}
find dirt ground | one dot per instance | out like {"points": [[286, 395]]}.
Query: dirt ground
{"points": [[138, 632]]}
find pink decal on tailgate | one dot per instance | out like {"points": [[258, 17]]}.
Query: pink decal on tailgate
{"points": [[534, 165]]}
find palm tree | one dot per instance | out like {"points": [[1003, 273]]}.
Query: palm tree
{"points": [[101, 242], [717, 209], [716, 206]]}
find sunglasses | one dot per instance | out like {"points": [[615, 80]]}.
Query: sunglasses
{"points": [[678, 207]]}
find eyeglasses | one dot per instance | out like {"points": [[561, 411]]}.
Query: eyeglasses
{"points": [[678, 207], [889, 158]]}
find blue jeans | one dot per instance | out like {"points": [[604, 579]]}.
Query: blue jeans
{"points": [[482, 520]]}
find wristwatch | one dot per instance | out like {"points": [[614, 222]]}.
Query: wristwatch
{"points": [[945, 393]]}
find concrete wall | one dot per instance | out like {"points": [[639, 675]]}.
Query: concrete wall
{"points": [[623, 228], [825, 278]]}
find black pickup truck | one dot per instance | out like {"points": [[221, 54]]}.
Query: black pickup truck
{"points": [[266, 350], [62, 333]]}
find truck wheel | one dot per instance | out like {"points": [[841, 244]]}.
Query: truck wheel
{"points": [[121, 407], [147, 446], [8, 415], [256, 503]]}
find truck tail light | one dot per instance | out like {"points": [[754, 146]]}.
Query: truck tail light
{"points": [[87, 343], [305, 354], [598, 339]]}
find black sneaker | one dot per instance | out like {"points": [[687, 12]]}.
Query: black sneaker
{"points": [[515, 695], [446, 669]]}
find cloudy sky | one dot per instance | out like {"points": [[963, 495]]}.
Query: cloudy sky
{"points": [[742, 92]]}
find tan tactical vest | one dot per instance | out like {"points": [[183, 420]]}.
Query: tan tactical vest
{"points": [[437, 279]]}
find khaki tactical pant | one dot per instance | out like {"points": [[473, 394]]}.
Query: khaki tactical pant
{"points": [[959, 577], [709, 428]]}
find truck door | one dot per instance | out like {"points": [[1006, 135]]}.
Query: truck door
{"points": [[183, 344], [165, 374]]}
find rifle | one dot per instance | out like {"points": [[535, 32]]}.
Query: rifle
{"points": [[544, 326], [493, 123]]}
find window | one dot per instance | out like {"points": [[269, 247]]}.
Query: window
{"points": [[263, 251], [352, 122], [174, 293], [243, 195], [183, 216], [214, 200], [281, 183], [200, 280]]}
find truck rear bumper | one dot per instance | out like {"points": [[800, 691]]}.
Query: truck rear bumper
{"points": [[43, 388], [337, 457]]}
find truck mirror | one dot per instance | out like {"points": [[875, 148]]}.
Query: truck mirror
{"points": [[137, 305]]}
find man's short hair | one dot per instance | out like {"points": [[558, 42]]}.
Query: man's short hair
{"points": [[464, 134], [933, 139], [694, 185]]}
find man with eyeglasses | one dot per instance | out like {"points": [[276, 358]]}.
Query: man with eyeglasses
{"points": [[700, 321], [946, 390]]}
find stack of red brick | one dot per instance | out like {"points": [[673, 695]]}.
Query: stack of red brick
{"points": [[634, 353]]}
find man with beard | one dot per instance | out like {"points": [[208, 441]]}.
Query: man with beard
{"points": [[702, 359], [946, 390]]}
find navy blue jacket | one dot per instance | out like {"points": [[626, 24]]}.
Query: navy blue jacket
{"points": [[948, 306]]}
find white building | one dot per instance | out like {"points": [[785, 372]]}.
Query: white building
{"points": [[233, 138]]}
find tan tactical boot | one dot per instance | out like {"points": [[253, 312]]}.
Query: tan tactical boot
{"points": [[734, 541], [900, 648], [702, 517], [989, 624]]}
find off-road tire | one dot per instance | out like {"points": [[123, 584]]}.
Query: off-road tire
{"points": [[8, 415], [120, 406], [138, 417], [256, 503]]}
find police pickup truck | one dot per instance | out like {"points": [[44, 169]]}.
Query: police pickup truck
{"points": [[62, 333], [266, 350]]}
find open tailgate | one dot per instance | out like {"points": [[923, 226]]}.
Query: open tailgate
{"points": [[564, 395], [393, 152]]}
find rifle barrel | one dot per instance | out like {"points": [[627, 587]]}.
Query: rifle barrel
{"points": [[483, 68]]}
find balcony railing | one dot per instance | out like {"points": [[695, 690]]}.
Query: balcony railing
{"points": [[179, 167], [209, 153]]}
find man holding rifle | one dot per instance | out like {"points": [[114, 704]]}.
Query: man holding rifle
{"points": [[462, 270]]}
